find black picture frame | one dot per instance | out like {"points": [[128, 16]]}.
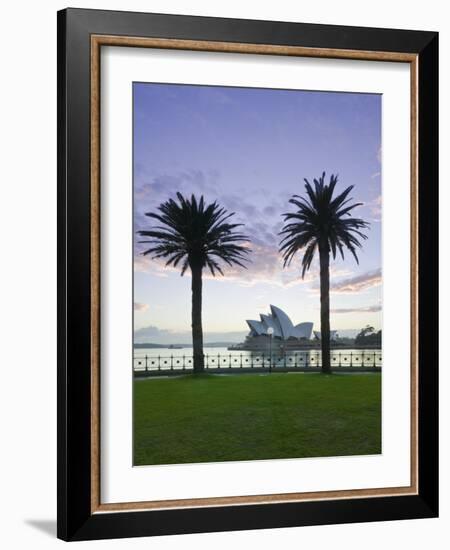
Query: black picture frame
{"points": [[75, 518]]}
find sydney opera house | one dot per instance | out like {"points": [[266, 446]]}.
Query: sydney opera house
{"points": [[278, 327], [282, 327]]}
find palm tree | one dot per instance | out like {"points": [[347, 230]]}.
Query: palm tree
{"points": [[322, 222], [195, 236]]}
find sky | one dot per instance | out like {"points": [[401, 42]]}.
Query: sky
{"points": [[250, 149]]}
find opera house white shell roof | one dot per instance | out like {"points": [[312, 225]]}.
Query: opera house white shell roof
{"points": [[281, 324]]}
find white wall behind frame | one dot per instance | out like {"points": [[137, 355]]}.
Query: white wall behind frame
{"points": [[28, 170]]}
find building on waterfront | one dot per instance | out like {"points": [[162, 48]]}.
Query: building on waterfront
{"points": [[276, 329], [281, 325]]}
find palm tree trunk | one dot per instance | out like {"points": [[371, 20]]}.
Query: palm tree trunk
{"points": [[324, 256], [197, 330]]}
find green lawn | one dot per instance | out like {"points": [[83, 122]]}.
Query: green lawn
{"points": [[249, 417]]}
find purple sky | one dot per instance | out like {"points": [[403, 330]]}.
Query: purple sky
{"points": [[250, 149]]}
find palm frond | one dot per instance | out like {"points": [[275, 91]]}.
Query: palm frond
{"points": [[192, 234], [321, 219]]}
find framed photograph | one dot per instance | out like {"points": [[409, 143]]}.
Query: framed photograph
{"points": [[248, 298]]}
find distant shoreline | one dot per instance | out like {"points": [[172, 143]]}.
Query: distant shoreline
{"points": [[308, 347], [235, 347], [177, 345]]}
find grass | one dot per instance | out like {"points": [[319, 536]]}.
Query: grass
{"points": [[211, 418]]}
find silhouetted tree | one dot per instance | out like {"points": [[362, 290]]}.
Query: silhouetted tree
{"points": [[323, 223], [195, 236], [365, 331], [368, 337]]}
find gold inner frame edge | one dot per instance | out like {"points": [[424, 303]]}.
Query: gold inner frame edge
{"points": [[97, 41]]}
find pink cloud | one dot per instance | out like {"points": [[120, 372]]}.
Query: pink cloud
{"points": [[358, 283]]}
